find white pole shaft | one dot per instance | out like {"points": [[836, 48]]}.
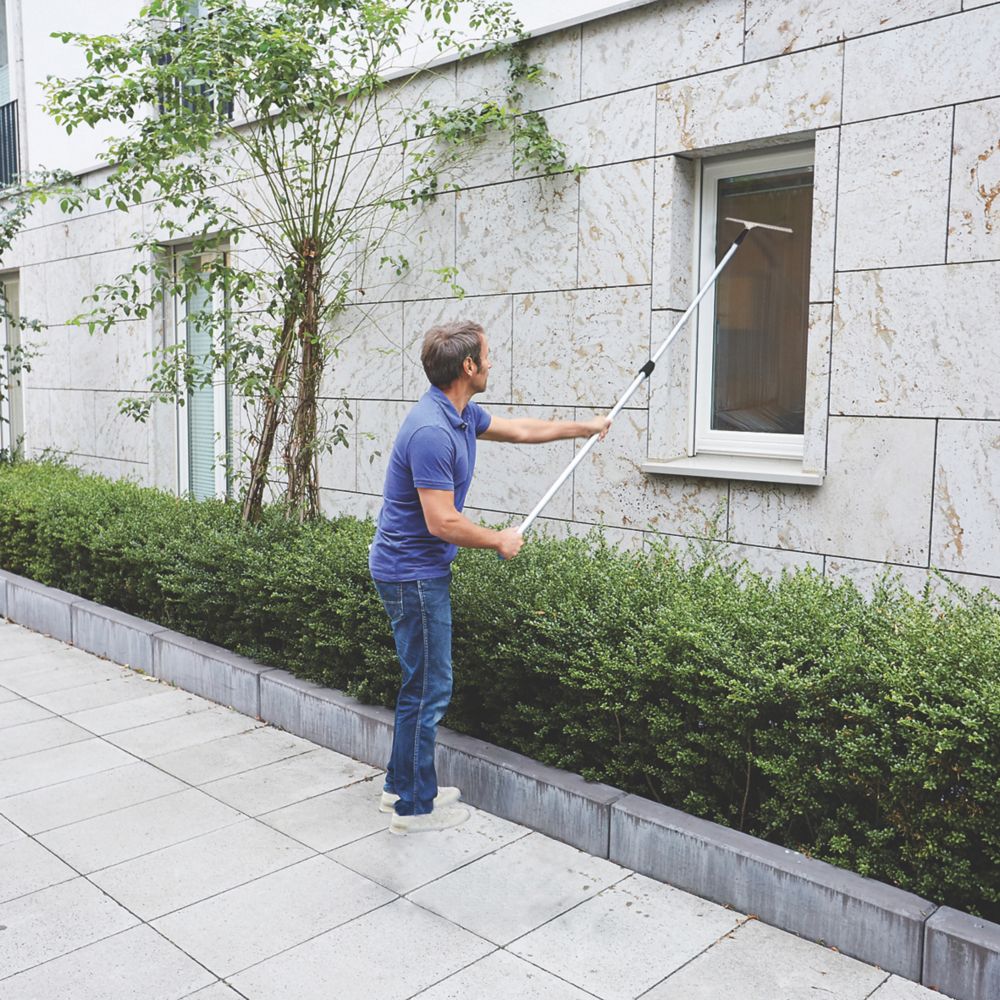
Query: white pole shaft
{"points": [[636, 382]]}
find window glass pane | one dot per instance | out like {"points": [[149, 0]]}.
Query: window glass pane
{"points": [[201, 400], [762, 304]]}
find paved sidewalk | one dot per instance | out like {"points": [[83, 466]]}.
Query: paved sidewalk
{"points": [[155, 846]]}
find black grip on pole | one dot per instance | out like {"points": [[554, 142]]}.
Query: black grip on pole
{"points": [[647, 368], [739, 239]]}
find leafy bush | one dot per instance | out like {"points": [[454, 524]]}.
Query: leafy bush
{"points": [[861, 731]]}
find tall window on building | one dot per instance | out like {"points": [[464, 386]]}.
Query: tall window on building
{"points": [[751, 355], [11, 409], [205, 422], [4, 56], [9, 155]]}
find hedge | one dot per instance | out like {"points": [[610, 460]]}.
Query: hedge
{"points": [[861, 730]]}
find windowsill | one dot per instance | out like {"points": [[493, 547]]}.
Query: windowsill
{"points": [[761, 470]]}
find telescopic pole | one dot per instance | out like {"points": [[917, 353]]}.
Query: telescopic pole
{"points": [[646, 369]]}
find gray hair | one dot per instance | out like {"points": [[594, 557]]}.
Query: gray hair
{"points": [[446, 347]]}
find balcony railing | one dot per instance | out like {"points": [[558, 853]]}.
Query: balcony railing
{"points": [[9, 148]]}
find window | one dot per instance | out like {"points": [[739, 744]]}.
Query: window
{"points": [[9, 153], [11, 410], [204, 424], [750, 382]]}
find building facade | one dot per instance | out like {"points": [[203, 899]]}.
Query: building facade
{"points": [[834, 405]]}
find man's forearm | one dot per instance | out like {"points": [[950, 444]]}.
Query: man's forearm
{"points": [[540, 431], [457, 529]]}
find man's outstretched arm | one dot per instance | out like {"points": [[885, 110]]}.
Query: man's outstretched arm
{"points": [[446, 523], [528, 431]]}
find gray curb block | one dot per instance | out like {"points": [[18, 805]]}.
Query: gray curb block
{"points": [[944, 948], [868, 920]]}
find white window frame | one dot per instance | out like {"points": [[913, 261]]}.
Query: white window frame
{"points": [[11, 406], [220, 390], [705, 440]]}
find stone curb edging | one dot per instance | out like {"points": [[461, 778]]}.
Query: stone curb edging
{"points": [[951, 951]]}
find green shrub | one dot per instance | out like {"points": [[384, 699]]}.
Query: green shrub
{"points": [[861, 731]]}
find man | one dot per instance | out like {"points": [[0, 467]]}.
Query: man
{"points": [[420, 528]]}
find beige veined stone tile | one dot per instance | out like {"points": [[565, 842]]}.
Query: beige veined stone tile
{"points": [[974, 223], [616, 224], [660, 42], [518, 237], [378, 424], [817, 388], [892, 208], [364, 358], [874, 503], [776, 27], [580, 347], [795, 93], [674, 232], [916, 342], [928, 65], [824, 214], [966, 494]]}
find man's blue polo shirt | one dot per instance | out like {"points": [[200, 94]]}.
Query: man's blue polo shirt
{"points": [[436, 450]]}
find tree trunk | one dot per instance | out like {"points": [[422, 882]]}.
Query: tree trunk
{"points": [[254, 499], [300, 452]]}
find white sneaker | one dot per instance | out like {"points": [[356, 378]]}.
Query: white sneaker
{"points": [[444, 797], [439, 819]]}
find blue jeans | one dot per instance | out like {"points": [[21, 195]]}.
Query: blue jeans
{"points": [[420, 613]]}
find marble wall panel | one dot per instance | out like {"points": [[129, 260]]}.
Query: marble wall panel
{"points": [[72, 417], [489, 160], [37, 414], [338, 463], [974, 222], [670, 388], [917, 342], [674, 232], [485, 77], [67, 282], [616, 225], [51, 365], [892, 209], [377, 424], [518, 237], [969, 4], [491, 312], [928, 65], [965, 536], [610, 488], [116, 436], [817, 388], [339, 503], [369, 176], [975, 584], [513, 477], [867, 575], [112, 468], [824, 214], [875, 502], [795, 93], [580, 347], [768, 561], [606, 129], [776, 27], [365, 353], [660, 41]]}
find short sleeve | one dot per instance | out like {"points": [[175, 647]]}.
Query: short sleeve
{"points": [[481, 419], [432, 459]]}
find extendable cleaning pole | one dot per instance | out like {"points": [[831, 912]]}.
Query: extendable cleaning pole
{"points": [[647, 368]]}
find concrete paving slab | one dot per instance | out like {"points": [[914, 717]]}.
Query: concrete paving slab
{"points": [[157, 738], [36, 677], [166, 880], [140, 829], [165, 703], [47, 767], [26, 866], [137, 964], [15, 711], [518, 888], [628, 938], [56, 921], [288, 781], [230, 755], [44, 734], [342, 963], [757, 962], [92, 795], [7, 695], [126, 686], [220, 991], [502, 976], [406, 863], [17, 641], [227, 935], [9, 832], [333, 819], [897, 988]]}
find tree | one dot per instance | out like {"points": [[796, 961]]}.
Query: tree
{"points": [[275, 126]]}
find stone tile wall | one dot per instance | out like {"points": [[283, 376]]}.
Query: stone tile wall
{"points": [[576, 280]]}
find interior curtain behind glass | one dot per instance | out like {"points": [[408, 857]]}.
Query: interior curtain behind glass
{"points": [[762, 304]]}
